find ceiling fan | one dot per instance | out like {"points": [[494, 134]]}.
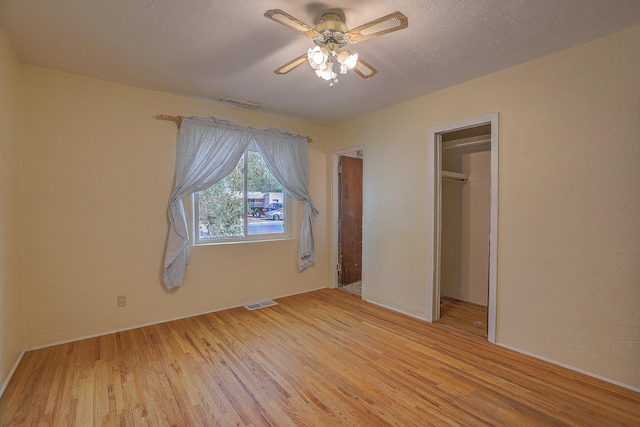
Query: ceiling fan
{"points": [[330, 36]]}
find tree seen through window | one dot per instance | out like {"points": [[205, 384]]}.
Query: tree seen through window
{"points": [[248, 201]]}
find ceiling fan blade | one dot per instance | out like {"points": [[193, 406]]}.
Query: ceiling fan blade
{"points": [[289, 21], [364, 69], [292, 65], [387, 24]]}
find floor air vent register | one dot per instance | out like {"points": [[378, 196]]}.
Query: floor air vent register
{"points": [[260, 304]]}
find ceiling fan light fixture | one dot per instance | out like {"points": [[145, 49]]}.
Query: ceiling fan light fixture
{"points": [[330, 36], [347, 59], [317, 57], [327, 73]]}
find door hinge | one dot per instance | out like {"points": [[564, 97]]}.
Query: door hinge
{"points": [[339, 169], [338, 267]]}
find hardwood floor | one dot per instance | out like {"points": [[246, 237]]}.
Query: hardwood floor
{"points": [[324, 358], [463, 315]]}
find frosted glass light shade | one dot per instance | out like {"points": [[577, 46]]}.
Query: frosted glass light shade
{"points": [[317, 57], [351, 61], [347, 59], [327, 73]]}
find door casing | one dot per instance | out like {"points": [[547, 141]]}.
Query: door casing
{"points": [[434, 200]]}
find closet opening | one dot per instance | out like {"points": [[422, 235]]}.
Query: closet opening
{"points": [[463, 220], [464, 231]]}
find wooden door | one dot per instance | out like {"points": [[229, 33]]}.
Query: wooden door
{"points": [[349, 220]]}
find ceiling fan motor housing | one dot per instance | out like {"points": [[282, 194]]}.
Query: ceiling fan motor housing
{"points": [[333, 32], [331, 22]]}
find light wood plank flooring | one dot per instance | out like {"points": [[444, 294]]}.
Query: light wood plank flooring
{"points": [[324, 358], [463, 315]]}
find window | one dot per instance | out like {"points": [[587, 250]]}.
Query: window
{"points": [[247, 204]]}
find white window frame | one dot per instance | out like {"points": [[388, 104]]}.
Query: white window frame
{"points": [[286, 223]]}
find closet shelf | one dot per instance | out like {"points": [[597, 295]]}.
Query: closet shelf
{"points": [[472, 144], [454, 176]]}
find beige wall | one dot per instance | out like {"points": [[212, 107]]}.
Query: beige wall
{"points": [[98, 171], [569, 206], [464, 270], [11, 315]]}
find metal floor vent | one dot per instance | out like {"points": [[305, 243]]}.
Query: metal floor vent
{"points": [[260, 304]]}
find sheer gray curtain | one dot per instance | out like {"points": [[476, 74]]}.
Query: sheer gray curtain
{"points": [[288, 160], [208, 150]]}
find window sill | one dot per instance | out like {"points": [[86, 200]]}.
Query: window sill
{"points": [[236, 242]]}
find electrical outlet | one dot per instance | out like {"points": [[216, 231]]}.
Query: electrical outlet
{"points": [[122, 300]]}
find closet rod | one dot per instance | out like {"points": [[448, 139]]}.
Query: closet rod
{"points": [[454, 179], [454, 176]]}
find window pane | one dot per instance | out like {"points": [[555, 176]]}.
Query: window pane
{"points": [[251, 186], [220, 207], [265, 198]]}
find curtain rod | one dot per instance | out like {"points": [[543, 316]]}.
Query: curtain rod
{"points": [[178, 120]]}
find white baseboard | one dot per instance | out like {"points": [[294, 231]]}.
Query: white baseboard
{"points": [[396, 310], [572, 368], [17, 363], [535, 356], [11, 372], [114, 331]]}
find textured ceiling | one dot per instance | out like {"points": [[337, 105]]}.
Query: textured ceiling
{"points": [[212, 49]]}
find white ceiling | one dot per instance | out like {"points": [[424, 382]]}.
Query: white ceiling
{"points": [[211, 49]]}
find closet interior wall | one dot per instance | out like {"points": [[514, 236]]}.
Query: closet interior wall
{"points": [[465, 221]]}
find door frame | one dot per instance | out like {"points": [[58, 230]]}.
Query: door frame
{"points": [[434, 201], [335, 253]]}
